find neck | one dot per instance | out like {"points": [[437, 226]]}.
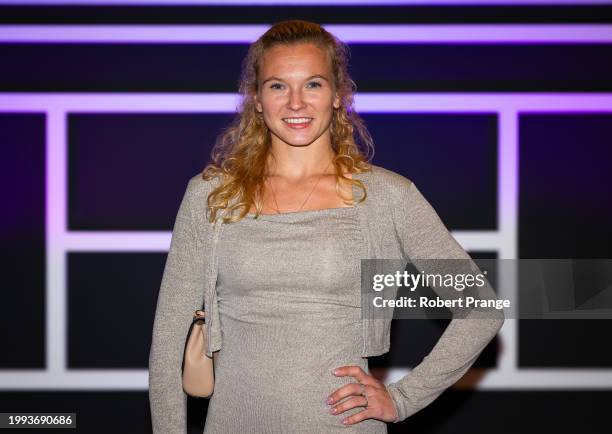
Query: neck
{"points": [[300, 164]]}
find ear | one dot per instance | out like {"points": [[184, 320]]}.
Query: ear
{"points": [[258, 106], [337, 102]]}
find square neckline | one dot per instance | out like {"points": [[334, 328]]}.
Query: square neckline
{"points": [[313, 211]]}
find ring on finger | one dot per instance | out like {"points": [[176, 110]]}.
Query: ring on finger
{"points": [[362, 393]]}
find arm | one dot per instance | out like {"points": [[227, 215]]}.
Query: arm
{"points": [[181, 293], [424, 236]]}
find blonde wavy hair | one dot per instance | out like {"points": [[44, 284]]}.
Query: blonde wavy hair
{"points": [[240, 152]]}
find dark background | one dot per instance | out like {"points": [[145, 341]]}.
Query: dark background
{"points": [[128, 171]]}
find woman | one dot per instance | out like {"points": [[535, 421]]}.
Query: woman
{"points": [[270, 237]]}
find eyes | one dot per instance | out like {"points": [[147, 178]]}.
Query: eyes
{"points": [[314, 84]]}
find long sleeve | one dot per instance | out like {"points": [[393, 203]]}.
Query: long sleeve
{"points": [[181, 293], [425, 237]]}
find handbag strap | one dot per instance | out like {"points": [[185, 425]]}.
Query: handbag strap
{"points": [[199, 315]]}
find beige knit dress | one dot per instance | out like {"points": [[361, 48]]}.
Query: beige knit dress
{"points": [[289, 315]]}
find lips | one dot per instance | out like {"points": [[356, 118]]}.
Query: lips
{"points": [[297, 123]]}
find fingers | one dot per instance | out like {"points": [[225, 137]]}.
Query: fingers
{"points": [[357, 401], [367, 392], [358, 417], [351, 388], [371, 405], [355, 371], [347, 390]]}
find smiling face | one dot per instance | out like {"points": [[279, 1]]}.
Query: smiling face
{"points": [[296, 94]]}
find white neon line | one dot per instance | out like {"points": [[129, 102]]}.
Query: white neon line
{"points": [[107, 33], [101, 241], [508, 208], [137, 379], [122, 102], [508, 166], [350, 33], [485, 102], [75, 379], [490, 103], [303, 2], [56, 301], [478, 240], [545, 378], [531, 379], [466, 33]]}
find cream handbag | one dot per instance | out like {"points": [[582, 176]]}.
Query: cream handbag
{"points": [[198, 372]]}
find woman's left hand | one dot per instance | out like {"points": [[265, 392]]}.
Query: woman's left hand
{"points": [[366, 392]]}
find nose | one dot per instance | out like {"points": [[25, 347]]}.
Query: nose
{"points": [[295, 100]]}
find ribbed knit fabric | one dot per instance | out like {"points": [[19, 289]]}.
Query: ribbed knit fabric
{"points": [[396, 221], [289, 315]]}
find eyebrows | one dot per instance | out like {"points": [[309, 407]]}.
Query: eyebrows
{"points": [[280, 79]]}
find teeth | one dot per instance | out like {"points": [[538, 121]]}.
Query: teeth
{"points": [[297, 120]]}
